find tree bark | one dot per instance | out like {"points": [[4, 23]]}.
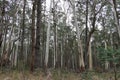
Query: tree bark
{"points": [[37, 45], [116, 15], [21, 54], [47, 41], [2, 22], [90, 57], [33, 36], [55, 32], [106, 62], [80, 49]]}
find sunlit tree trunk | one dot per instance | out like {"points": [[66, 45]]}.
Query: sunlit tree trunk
{"points": [[54, 57], [48, 38], [116, 15], [43, 36], [90, 57], [13, 50], [55, 33], [10, 45], [10, 42], [80, 49], [17, 48]]}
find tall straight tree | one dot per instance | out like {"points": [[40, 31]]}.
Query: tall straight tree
{"points": [[92, 30], [114, 5], [33, 35], [21, 57], [2, 21], [80, 49], [48, 38], [37, 45], [55, 33], [1, 32], [86, 32]]}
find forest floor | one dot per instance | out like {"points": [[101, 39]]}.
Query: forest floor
{"points": [[56, 75]]}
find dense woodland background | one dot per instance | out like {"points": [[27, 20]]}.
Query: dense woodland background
{"points": [[75, 35]]}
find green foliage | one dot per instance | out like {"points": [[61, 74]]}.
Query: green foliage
{"points": [[109, 54], [87, 75]]}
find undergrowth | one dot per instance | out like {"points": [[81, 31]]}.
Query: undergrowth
{"points": [[55, 75]]}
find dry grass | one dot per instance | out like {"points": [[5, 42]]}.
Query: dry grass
{"points": [[55, 75], [15, 75]]}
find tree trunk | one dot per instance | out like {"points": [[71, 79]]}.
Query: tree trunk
{"points": [[21, 54], [90, 57], [86, 32], [43, 37], [2, 22], [55, 33], [61, 54], [47, 42], [115, 72], [80, 49], [33, 36], [88, 44], [116, 15], [37, 45], [106, 62]]}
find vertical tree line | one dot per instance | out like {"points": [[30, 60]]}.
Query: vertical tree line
{"points": [[68, 34]]}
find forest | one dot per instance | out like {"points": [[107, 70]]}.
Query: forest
{"points": [[59, 39]]}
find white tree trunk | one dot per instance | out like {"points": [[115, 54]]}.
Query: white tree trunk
{"points": [[90, 57], [54, 60], [17, 50], [16, 55], [81, 58], [106, 62], [26, 53], [48, 36], [116, 18], [61, 55]]}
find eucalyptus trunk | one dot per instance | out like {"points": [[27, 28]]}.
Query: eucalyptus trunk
{"points": [[114, 5], [21, 54], [48, 38], [33, 36], [55, 33], [106, 62], [80, 49], [38, 29], [90, 56]]}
